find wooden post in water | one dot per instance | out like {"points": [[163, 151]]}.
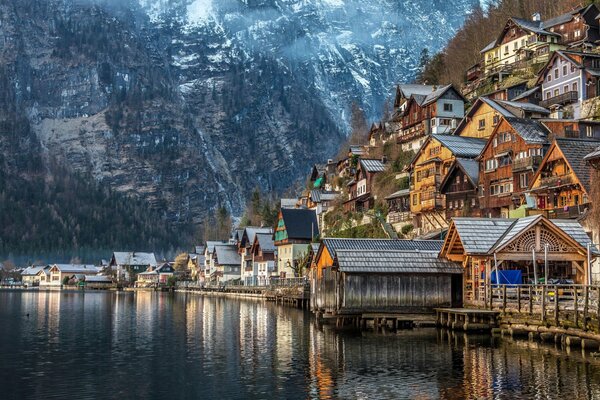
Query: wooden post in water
{"points": [[586, 300], [575, 305], [504, 299], [555, 305], [530, 301], [519, 299], [543, 303]]}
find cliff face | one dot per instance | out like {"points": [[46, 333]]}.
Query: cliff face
{"points": [[190, 104]]}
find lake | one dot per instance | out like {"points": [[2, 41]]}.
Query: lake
{"points": [[100, 345]]}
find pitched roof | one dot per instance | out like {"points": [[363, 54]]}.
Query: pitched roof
{"points": [[481, 100], [399, 193], [533, 26], [594, 154], [357, 150], [134, 258], [436, 94], [77, 268], [300, 223], [251, 231], [394, 262], [227, 254], [410, 89], [98, 278], [525, 106], [518, 227], [335, 244], [575, 151], [469, 166], [210, 244], [527, 93], [489, 46], [531, 131], [372, 165], [461, 146], [574, 229], [265, 241], [33, 270], [288, 203], [318, 195], [479, 235]]}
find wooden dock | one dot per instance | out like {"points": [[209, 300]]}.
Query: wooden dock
{"points": [[467, 319], [379, 321]]}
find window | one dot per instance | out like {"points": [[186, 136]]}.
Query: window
{"points": [[448, 107], [462, 203], [577, 33], [495, 142], [458, 179], [565, 88], [564, 70], [549, 78], [562, 27], [589, 132], [504, 160], [432, 121], [415, 199], [523, 181], [547, 95], [556, 73], [516, 44], [481, 124], [574, 87], [473, 202], [496, 119], [491, 164], [572, 68], [506, 49], [556, 92], [596, 63], [464, 179]]}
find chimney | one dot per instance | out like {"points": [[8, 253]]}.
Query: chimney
{"points": [[536, 17], [383, 159]]}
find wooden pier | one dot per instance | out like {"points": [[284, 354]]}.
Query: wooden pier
{"points": [[466, 319]]}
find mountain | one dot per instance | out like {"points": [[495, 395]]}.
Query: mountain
{"points": [[188, 105]]}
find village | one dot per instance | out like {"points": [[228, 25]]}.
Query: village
{"points": [[466, 201]]}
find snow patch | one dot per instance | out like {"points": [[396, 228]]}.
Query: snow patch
{"points": [[200, 11]]}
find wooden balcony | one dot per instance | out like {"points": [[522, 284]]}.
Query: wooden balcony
{"points": [[527, 163], [556, 181], [561, 99], [430, 180], [397, 217], [569, 212]]}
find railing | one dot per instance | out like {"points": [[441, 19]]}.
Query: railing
{"points": [[395, 217], [289, 282], [531, 162], [568, 212], [553, 303], [556, 181], [561, 99]]}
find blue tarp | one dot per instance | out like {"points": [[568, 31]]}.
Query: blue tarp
{"points": [[507, 277]]}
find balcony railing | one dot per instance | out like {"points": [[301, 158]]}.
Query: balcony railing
{"points": [[522, 164], [561, 99], [556, 181], [568, 212], [396, 217]]}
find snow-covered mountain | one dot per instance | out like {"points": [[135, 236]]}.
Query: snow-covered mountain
{"points": [[191, 104]]}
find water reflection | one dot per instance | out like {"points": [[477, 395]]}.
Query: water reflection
{"points": [[153, 345]]}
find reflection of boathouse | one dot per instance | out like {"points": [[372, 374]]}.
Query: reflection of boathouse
{"points": [[526, 244]]}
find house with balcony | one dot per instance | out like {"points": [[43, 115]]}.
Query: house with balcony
{"points": [[428, 168], [568, 79], [507, 163], [459, 187], [264, 257], [572, 129], [245, 248], [360, 197], [296, 229], [561, 185], [438, 112], [399, 209]]}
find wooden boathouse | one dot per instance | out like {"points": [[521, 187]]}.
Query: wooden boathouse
{"points": [[379, 279]]}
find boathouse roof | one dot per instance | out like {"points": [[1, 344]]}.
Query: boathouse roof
{"points": [[395, 262], [334, 245]]}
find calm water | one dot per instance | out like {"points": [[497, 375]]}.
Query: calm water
{"points": [[162, 346]]}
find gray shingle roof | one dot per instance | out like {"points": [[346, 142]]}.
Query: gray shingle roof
{"points": [[531, 131], [134, 258], [265, 241], [372, 165], [410, 89], [395, 262], [479, 235], [471, 168], [300, 223], [461, 146], [33, 270], [526, 106], [575, 151], [251, 231], [399, 193], [288, 203], [594, 154], [210, 245], [574, 229], [526, 93], [489, 46], [517, 228], [433, 96], [335, 244], [77, 268], [227, 254]]}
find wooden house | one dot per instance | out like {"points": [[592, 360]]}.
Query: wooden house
{"points": [[561, 185], [593, 158], [399, 207], [484, 245], [264, 257], [482, 118], [128, 264], [296, 229], [155, 275], [245, 249], [428, 169], [358, 276], [438, 112], [533, 96], [507, 163], [568, 128], [360, 197], [568, 80], [459, 187]]}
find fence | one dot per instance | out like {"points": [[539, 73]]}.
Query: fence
{"points": [[551, 303]]}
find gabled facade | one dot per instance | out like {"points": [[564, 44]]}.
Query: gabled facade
{"points": [[245, 248], [428, 169], [360, 197], [568, 128], [296, 229], [264, 256], [507, 163], [561, 185], [128, 264], [460, 189], [439, 112], [568, 79], [482, 118], [154, 276], [58, 272]]}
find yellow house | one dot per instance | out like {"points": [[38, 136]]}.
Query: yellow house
{"points": [[428, 169], [561, 184], [520, 40]]}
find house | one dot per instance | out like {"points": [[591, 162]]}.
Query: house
{"points": [[503, 91], [403, 94], [209, 259], [428, 169], [399, 208], [31, 276], [356, 276], [296, 229], [321, 201], [533, 96], [507, 163], [568, 128], [264, 257], [438, 112], [58, 272], [128, 264], [227, 263], [568, 80], [155, 275], [561, 185], [43, 276], [483, 245], [591, 225], [244, 248], [360, 197], [593, 158], [288, 203], [98, 282], [195, 266], [460, 189]]}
